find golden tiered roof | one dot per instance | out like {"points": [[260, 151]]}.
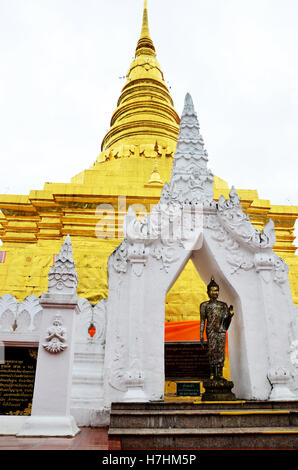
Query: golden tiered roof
{"points": [[135, 159]]}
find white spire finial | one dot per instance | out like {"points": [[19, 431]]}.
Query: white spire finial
{"points": [[63, 277], [191, 180], [188, 105]]}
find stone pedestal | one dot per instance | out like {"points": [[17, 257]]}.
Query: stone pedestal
{"points": [[279, 379], [51, 426], [218, 390]]}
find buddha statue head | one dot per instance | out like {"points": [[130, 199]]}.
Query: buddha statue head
{"points": [[213, 290]]}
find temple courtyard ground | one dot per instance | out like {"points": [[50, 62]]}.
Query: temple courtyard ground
{"points": [[87, 439], [108, 451]]}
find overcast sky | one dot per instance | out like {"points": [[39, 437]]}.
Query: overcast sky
{"points": [[61, 68]]}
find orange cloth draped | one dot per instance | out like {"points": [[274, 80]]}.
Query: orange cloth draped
{"points": [[185, 331], [182, 331]]}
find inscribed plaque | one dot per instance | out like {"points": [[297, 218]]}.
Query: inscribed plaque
{"points": [[17, 375]]}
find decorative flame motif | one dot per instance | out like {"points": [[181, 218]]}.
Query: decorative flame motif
{"points": [[92, 330]]}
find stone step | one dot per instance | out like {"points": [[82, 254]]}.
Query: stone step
{"points": [[198, 418], [207, 438], [212, 405]]}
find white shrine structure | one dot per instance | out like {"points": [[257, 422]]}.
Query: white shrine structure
{"points": [[79, 377], [221, 241]]}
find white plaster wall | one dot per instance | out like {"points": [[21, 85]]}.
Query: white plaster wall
{"points": [[87, 375]]}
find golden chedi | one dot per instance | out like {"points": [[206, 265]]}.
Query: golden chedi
{"points": [[135, 161]]}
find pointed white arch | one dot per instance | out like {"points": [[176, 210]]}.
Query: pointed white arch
{"points": [[221, 241]]}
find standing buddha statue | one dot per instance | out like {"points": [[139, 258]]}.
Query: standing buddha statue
{"points": [[217, 316]]}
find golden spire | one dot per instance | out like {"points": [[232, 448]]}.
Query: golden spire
{"points": [[145, 45], [145, 112], [145, 26]]}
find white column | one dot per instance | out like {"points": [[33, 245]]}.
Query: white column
{"points": [[52, 390], [277, 334], [138, 256]]}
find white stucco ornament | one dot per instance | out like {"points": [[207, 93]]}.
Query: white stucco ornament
{"points": [[56, 337]]}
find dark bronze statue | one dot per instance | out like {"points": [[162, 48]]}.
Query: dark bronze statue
{"points": [[218, 317]]}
